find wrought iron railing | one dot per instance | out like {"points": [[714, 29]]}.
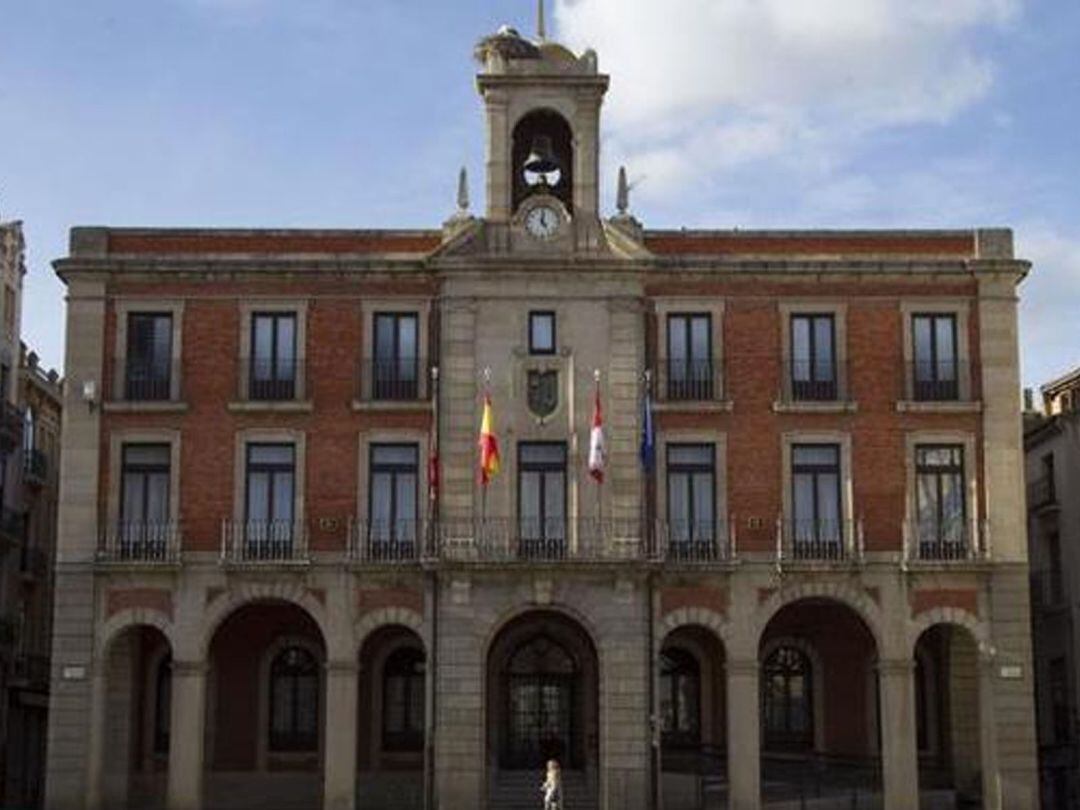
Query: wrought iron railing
{"points": [[141, 542], [809, 381], [819, 540], [939, 381], [147, 381], [953, 540], [383, 542], [399, 379], [693, 542], [264, 541], [689, 381], [562, 540], [271, 379]]}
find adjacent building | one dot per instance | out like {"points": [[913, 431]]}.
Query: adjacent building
{"points": [[281, 581]]}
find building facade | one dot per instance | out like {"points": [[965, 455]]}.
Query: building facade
{"points": [[281, 582], [1052, 446]]}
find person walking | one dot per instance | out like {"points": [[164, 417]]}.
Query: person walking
{"points": [[552, 787]]}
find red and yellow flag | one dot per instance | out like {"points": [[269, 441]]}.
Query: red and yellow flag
{"points": [[489, 445]]}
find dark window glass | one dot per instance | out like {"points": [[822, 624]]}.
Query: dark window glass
{"points": [[939, 500], [542, 497], [541, 333], [691, 488], [403, 701], [395, 374], [542, 705], [273, 356], [680, 698], [144, 498], [689, 360], [294, 701], [817, 516], [269, 496], [393, 500], [813, 357], [162, 705], [1059, 699], [787, 704], [147, 375], [936, 371]]}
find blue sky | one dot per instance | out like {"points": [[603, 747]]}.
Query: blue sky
{"points": [[357, 113]]}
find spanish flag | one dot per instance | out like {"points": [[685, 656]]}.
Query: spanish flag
{"points": [[489, 445]]}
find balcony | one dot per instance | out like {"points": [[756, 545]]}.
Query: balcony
{"points": [[940, 381], [272, 380], [147, 381], [807, 381], [391, 380], [700, 543], [35, 468], [819, 541], [956, 541], [689, 381], [1042, 494], [264, 543], [141, 544], [11, 426], [380, 543], [503, 540]]}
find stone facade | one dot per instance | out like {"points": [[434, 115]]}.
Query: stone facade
{"points": [[548, 615]]}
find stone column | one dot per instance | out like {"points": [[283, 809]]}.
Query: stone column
{"points": [[95, 749], [187, 718], [991, 773], [743, 734], [899, 739], [339, 770]]}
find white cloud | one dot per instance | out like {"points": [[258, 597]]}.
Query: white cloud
{"points": [[1049, 302]]}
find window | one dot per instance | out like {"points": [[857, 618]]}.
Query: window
{"points": [[542, 498], [162, 705], [29, 437], [403, 701], [813, 357], [691, 489], [148, 364], [273, 369], [392, 505], [541, 333], [817, 528], [787, 706], [1055, 571], [270, 495], [395, 371], [294, 701], [1059, 699], [10, 326], [680, 698], [144, 499], [939, 501], [936, 372], [689, 356]]}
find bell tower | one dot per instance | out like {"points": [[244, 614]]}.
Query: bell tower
{"points": [[542, 110]]}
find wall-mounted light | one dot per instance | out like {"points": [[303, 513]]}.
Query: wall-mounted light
{"points": [[89, 393]]}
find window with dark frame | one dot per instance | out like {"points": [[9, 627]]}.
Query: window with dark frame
{"points": [[396, 366], [1055, 570], [787, 700], [691, 499], [269, 498], [817, 511], [162, 705], [144, 499], [273, 363], [294, 701], [148, 365], [403, 701], [392, 504], [936, 373], [542, 332], [940, 503], [542, 498], [689, 356], [680, 699], [813, 357]]}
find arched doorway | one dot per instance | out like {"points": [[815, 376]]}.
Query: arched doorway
{"points": [[137, 704], [947, 711], [819, 706], [542, 703], [265, 710], [691, 704], [391, 719]]}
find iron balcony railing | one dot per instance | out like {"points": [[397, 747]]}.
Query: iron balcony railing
{"points": [[271, 379], [264, 542], [35, 467], [395, 379], [819, 540], [954, 540], [553, 540], [11, 426], [809, 381], [1041, 493], [397, 542], [141, 542], [694, 542], [689, 381], [147, 381], [939, 381]]}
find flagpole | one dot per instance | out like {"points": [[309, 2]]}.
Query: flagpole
{"points": [[599, 481], [483, 480]]}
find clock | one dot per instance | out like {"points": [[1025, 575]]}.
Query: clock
{"points": [[543, 221]]}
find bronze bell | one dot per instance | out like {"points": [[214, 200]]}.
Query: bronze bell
{"points": [[541, 159]]}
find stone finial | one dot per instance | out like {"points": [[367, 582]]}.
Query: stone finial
{"points": [[32, 360], [622, 198], [463, 192]]}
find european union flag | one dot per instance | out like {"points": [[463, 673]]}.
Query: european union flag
{"points": [[648, 435]]}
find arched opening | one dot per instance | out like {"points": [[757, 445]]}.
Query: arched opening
{"points": [[819, 707], [391, 719], [947, 715], [692, 707], [265, 709], [138, 675], [544, 129], [542, 703]]}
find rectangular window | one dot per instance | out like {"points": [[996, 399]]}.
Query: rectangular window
{"points": [[817, 514], [541, 333], [813, 357], [395, 372], [691, 498], [1059, 699], [144, 499], [939, 501], [269, 498], [148, 366], [392, 504], [689, 356], [273, 369], [542, 498], [936, 368]]}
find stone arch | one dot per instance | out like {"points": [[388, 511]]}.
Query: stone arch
{"points": [[129, 618], [860, 603], [692, 617], [508, 617], [248, 593], [388, 617], [955, 617]]}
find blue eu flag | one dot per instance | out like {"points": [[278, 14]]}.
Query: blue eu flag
{"points": [[648, 435]]}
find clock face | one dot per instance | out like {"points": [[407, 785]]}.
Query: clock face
{"points": [[543, 222]]}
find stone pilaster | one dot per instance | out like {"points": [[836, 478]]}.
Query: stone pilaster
{"points": [[899, 743], [187, 720], [744, 734], [339, 775]]}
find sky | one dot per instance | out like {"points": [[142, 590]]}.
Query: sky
{"points": [[727, 113]]}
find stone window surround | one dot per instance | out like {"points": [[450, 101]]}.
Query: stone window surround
{"points": [[718, 439], [389, 436], [693, 305], [248, 308], [817, 679], [967, 441], [961, 309], [369, 308], [296, 438], [263, 752], [133, 306], [117, 439], [838, 311], [847, 498]]}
